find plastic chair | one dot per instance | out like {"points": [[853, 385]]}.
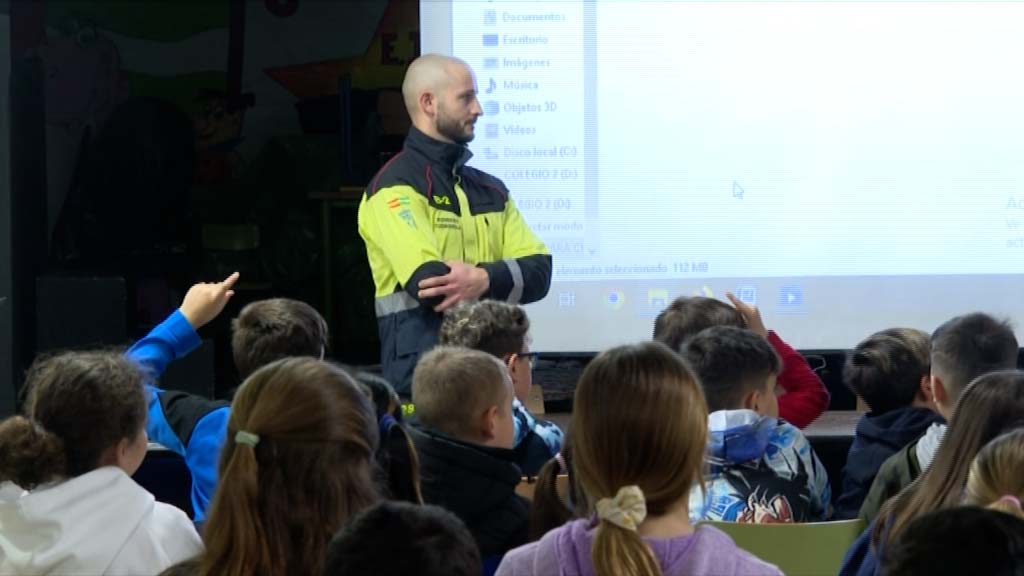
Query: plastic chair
{"points": [[809, 548]]}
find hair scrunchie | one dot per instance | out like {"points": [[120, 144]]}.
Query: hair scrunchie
{"points": [[626, 510], [247, 438], [1009, 498], [384, 425], [562, 466]]}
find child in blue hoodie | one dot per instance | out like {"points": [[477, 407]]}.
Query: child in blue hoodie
{"points": [[195, 427], [889, 370], [761, 468]]}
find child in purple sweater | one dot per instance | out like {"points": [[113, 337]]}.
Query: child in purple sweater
{"points": [[639, 429]]}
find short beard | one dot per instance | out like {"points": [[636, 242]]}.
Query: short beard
{"points": [[451, 129]]}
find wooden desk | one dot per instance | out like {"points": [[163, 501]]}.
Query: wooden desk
{"points": [[838, 424]]}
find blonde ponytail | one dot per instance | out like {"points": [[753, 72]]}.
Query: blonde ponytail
{"points": [[996, 478], [618, 551], [1009, 505], [618, 548]]}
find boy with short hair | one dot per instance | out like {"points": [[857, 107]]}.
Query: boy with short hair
{"points": [[762, 469], [463, 402], [963, 348], [502, 330], [889, 370], [276, 328], [804, 396]]}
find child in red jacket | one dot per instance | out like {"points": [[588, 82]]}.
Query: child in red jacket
{"points": [[804, 396]]}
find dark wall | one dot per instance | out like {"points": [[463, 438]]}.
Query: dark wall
{"points": [[6, 327], [146, 146]]}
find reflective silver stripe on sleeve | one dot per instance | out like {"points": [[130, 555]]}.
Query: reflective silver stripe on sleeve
{"points": [[394, 303], [516, 294]]}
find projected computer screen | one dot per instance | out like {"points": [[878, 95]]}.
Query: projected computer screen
{"points": [[846, 166]]}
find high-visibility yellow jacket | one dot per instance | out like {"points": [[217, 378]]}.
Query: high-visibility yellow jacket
{"points": [[425, 207]]}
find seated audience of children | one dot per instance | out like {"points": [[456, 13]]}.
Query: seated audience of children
{"points": [[803, 396], [890, 371], [297, 464], [991, 405], [264, 331], [963, 349], [398, 539], [662, 438], [463, 402], [68, 504], [761, 469], [502, 330], [638, 439]]}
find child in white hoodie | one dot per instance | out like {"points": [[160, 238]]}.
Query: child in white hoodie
{"points": [[68, 504]]}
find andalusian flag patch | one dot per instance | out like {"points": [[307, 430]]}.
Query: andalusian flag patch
{"points": [[397, 202], [406, 214]]}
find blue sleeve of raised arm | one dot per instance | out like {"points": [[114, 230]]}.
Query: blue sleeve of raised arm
{"points": [[171, 339]]}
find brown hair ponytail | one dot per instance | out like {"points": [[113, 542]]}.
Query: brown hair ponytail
{"points": [[243, 525], [29, 455], [298, 462], [401, 465], [549, 509]]}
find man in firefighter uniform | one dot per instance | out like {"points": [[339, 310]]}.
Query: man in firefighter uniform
{"points": [[439, 232]]}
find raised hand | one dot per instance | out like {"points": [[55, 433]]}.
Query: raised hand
{"points": [[204, 301], [750, 313]]}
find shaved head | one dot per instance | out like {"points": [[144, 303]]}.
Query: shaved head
{"points": [[428, 73], [440, 94]]}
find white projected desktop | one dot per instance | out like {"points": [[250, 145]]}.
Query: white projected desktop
{"points": [[847, 166]]}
